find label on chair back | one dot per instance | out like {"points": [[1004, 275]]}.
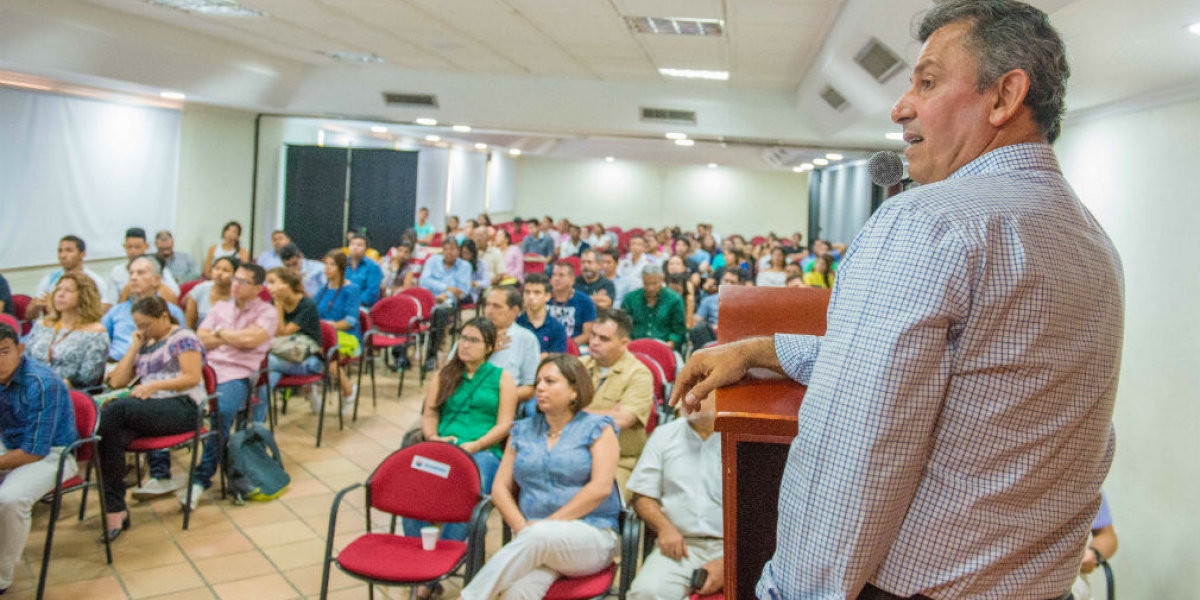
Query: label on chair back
{"points": [[431, 466]]}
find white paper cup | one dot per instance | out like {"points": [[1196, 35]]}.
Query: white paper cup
{"points": [[429, 537]]}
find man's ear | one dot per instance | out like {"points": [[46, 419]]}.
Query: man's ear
{"points": [[1010, 91]]}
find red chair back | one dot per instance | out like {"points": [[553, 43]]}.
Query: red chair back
{"points": [[656, 372], [11, 322], [575, 264], [264, 295], [364, 320], [210, 379], [572, 349], [437, 240], [423, 296], [660, 352], [85, 422], [534, 265], [20, 305], [328, 338], [396, 315], [429, 481], [186, 287]]}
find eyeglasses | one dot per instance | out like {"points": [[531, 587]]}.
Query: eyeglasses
{"points": [[470, 339], [243, 281]]}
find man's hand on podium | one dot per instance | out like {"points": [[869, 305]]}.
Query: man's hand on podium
{"points": [[719, 366]]}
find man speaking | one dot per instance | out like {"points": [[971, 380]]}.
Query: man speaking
{"points": [[957, 423]]}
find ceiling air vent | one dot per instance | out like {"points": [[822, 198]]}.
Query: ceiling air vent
{"points": [[667, 115], [655, 25], [834, 98], [879, 60], [397, 99]]}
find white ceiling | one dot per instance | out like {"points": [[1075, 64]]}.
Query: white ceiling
{"points": [[569, 70]]}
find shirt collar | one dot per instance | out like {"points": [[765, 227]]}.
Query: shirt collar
{"points": [[1017, 157]]}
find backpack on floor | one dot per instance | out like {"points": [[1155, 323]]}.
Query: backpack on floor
{"points": [[255, 465]]}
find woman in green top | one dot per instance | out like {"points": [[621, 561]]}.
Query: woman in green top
{"points": [[470, 403]]}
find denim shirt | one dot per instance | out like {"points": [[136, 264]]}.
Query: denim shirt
{"points": [[550, 478], [36, 413]]}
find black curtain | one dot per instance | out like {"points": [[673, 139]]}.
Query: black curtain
{"points": [[315, 198], [383, 194]]}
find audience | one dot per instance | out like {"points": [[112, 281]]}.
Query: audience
{"points": [[574, 309], [705, 329], [470, 403], [682, 286], [516, 349], [449, 279], [401, 271], [269, 258], [541, 243], [514, 263], [205, 294], [70, 338], [601, 239], [609, 259], [629, 270], [37, 424], [310, 272], [572, 244], [423, 228], [819, 247], [136, 246], [550, 332], [683, 249], [144, 279], [656, 312], [490, 256], [822, 273], [231, 245], [677, 492], [480, 277], [371, 253], [624, 387], [299, 328], [592, 282], [180, 264], [364, 272], [164, 360], [562, 461], [775, 273], [71, 252], [337, 304]]}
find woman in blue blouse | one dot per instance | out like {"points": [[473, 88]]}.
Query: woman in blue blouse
{"points": [[337, 304], [564, 461]]}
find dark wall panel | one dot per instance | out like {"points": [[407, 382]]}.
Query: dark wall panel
{"points": [[383, 194], [315, 198]]}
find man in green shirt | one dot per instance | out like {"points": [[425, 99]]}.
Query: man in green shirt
{"points": [[657, 312]]}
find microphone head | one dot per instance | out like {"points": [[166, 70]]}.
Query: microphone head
{"points": [[886, 168]]}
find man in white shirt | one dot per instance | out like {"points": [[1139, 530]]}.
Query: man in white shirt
{"points": [[270, 259], [629, 270], [517, 349], [71, 252], [135, 246], [676, 490]]}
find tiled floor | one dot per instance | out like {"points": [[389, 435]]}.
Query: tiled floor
{"points": [[263, 551]]}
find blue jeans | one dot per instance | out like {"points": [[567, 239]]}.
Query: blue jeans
{"points": [[277, 368], [488, 463], [233, 395]]}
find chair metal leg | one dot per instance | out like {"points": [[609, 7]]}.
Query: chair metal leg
{"points": [[55, 506]]}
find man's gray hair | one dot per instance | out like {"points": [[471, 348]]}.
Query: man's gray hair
{"points": [[652, 270], [1005, 35], [152, 265]]}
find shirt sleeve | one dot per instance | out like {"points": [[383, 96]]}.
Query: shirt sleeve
{"points": [[374, 278], [268, 320], [43, 419], [351, 300], [647, 475], [796, 354], [431, 281], [677, 322], [638, 398]]}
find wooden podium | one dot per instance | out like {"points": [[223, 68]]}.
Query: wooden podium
{"points": [[757, 421]]}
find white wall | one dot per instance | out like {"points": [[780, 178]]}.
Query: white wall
{"points": [[216, 148], [629, 194], [1137, 173]]}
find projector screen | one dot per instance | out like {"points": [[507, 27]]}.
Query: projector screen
{"points": [[84, 167]]}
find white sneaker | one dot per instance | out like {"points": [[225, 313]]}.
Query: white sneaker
{"points": [[155, 488], [197, 492], [348, 402], [314, 399]]}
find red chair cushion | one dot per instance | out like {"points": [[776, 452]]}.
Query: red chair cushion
{"points": [[298, 380], [162, 442], [580, 588], [401, 559], [387, 341]]}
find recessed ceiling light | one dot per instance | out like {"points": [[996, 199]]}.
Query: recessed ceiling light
{"points": [[806, 167], [820, 162], [895, 135], [712, 165], [378, 129], [609, 159], [834, 156], [173, 95], [214, 8], [433, 138], [1194, 28], [481, 146], [685, 142], [515, 151], [460, 128], [426, 121], [695, 74], [361, 57], [676, 136]]}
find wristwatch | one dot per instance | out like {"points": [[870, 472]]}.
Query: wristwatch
{"points": [[1099, 556]]}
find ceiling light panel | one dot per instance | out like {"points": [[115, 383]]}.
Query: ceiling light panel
{"points": [[676, 26], [696, 74], [212, 8], [352, 57]]}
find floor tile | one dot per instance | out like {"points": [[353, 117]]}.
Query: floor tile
{"points": [[265, 587], [265, 536], [161, 580], [107, 588], [234, 567]]}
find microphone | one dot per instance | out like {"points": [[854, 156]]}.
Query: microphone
{"points": [[886, 169]]}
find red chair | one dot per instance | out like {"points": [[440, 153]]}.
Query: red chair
{"points": [[712, 596], [757, 240], [665, 357], [534, 263], [436, 241], [11, 322], [20, 308], [84, 449], [659, 390], [430, 481], [428, 302], [572, 349], [393, 322], [186, 288], [190, 439], [329, 353], [575, 264], [264, 295]]}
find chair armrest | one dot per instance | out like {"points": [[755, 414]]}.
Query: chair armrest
{"points": [[333, 511], [477, 536], [631, 533]]}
